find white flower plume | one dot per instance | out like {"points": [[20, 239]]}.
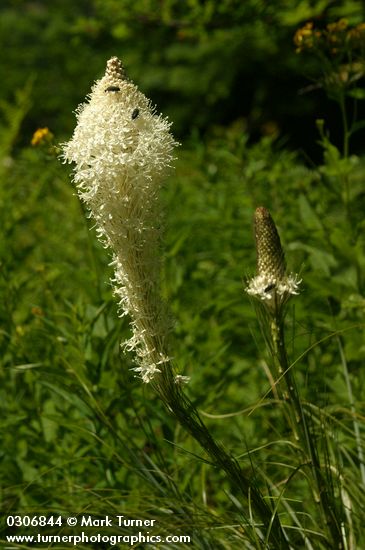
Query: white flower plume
{"points": [[122, 149]]}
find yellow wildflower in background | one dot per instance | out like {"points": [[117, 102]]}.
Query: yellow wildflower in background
{"points": [[357, 36], [41, 135], [335, 38], [339, 51], [338, 26], [303, 37]]}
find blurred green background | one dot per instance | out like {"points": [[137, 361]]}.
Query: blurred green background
{"points": [[204, 63]]}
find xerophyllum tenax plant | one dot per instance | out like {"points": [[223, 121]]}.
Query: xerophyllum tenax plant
{"points": [[273, 287], [122, 150]]}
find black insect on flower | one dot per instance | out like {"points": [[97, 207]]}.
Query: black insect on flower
{"points": [[135, 113], [112, 89]]}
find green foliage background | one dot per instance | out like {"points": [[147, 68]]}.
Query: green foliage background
{"points": [[78, 432]]}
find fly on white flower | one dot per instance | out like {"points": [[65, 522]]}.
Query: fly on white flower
{"points": [[112, 89]]}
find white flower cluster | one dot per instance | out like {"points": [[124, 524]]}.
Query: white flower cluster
{"points": [[122, 149], [267, 288]]}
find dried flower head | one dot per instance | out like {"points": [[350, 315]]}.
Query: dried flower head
{"points": [[122, 149], [271, 283]]}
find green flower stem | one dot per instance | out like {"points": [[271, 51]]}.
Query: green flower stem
{"points": [[301, 429], [180, 406]]}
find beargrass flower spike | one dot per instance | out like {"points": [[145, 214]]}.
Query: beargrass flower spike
{"points": [[122, 150], [271, 283], [273, 287]]}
